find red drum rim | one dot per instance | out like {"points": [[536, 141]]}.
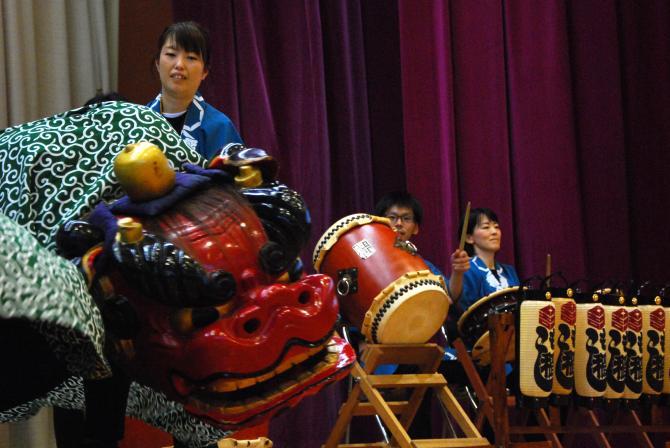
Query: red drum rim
{"points": [[339, 228], [408, 311]]}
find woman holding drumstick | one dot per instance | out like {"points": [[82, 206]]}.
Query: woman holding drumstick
{"points": [[475, 273]]}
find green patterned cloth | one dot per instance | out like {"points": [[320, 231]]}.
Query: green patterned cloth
{"points": [[59, 167], [38, 286], [53, 170]]}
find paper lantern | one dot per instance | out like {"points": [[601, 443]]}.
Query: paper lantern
{"points": [[535, 347], [633, 348], [616, 321], [590, 350], [564, 346], [653, 329]]}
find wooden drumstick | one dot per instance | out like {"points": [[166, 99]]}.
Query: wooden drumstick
{"points": [[547, 271], [464, 230]]}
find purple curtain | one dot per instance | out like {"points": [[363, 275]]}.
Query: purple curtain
{"points": [[554, 114], [294, 77]]}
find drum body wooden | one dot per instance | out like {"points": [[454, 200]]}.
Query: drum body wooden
{"points": [[385, 290], [473, 325]]}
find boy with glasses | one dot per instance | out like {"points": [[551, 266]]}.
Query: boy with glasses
{"points": [[405, 213]]}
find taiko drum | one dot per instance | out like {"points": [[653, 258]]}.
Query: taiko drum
{"points": [[384, 288], [473, 325]]}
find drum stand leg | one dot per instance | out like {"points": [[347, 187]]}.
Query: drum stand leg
{"points": [[350, 381], [485, 405], [398, 415], [579, 417], [642, 437], [494, 404], [494, 400], [447, 423]]}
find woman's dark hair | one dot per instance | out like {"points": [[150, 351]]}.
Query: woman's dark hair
{"points": [[191, 36], [400, 199], [476, 216]]}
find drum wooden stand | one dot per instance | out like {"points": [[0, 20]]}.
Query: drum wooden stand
{"points": [[495, 403], [398, 415]]}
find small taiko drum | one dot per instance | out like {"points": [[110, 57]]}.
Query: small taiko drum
{"points": [[384, 288], [473, 325]]}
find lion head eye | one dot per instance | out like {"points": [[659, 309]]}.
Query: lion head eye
{"points": [[168, 275], [273, 259]]}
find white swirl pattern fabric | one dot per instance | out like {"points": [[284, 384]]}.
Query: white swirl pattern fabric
{"points": [[144, 403], [39, 287], [157, 410], [53, 170], [59, 167]]}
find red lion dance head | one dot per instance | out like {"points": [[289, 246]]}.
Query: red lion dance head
{"points": [[204, 298]]}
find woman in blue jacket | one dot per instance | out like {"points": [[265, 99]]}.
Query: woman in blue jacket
{"points": [[475, 273], [182, 61]]}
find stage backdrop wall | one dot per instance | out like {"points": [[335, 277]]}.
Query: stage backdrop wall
{"points": [[552, 113]]}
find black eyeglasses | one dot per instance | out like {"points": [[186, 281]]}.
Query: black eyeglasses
{"points": [[404, 218]]}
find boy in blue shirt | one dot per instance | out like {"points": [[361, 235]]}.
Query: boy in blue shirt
{"points": [[405, 213]]}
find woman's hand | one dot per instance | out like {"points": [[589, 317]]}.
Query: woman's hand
{"points": [[460, 261]]}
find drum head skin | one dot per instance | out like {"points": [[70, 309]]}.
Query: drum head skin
{"points": [[481, 308], [409, 311], [481, 351], [396, 298]]}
